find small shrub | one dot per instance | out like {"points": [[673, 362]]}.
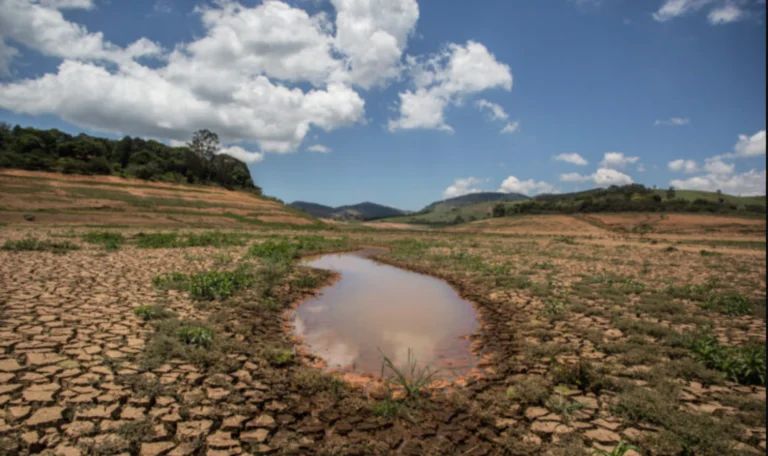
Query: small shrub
{"points": [[563, 406], [745, 365], [196, 335], [553, 309], [583, 375], [216, 285], [152, 312]]}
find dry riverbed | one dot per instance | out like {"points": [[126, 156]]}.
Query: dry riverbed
{"points": [[106, 351]]}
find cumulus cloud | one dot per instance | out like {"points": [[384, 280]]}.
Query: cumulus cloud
{"points": [[749, 183], [717, 166], [603, 177], [673, 122], [447, 78], [686, 166], [496, 111], [319, 148], [573, 158], [722, 12], [750, 146], [510, 128], [242, 154], [463, 187], [527, 187], [617, 160]]}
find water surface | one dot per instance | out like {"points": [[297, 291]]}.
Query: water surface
{"points": [[375, 306]]}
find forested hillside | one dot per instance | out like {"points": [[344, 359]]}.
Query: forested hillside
{"points": [[53, 150]]}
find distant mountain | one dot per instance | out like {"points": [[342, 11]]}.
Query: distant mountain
{"points": [[361, 211], [472, 198]]}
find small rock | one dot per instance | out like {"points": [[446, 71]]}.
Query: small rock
{"points": [[535, 412], [156, 448], [602, 436], [257, 436], [47, 416]]}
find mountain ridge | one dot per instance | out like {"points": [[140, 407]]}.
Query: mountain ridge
{"points": [[360, 211]]}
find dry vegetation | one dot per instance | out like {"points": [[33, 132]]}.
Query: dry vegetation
{"points": [[131, 340]]}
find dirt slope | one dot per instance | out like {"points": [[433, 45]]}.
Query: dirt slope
{"points": [[107, 200]]}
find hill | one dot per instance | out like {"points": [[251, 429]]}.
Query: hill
{"points": [[472, 198], [361, 211], [53, 198]]}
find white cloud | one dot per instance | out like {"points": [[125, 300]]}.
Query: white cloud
{"points": [[528, 187], [617, 160], [673, 122], [68, 4], [726, 14], [686, 166], [750, 146], [319, 148], [463, 187], [717, 166], [496, 111], [573, 158], [510, 128], [446, 78], [640, 168], [603, 177], [242, 154], [748, 183], [373, 34], [671, 9]]}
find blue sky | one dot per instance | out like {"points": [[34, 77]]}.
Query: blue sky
{"points": [[403, 103]]}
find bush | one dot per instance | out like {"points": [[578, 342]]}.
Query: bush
{"points": [[195, 335], [745, 365], [212, 285]]}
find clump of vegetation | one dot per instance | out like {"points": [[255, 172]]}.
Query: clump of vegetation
{"points": [[152, 312], [109, 239], [174, 240], [530, 391], [413, 379], [196, 335], [554, 309], [745, 365], [217, 285], [278, 356], [709, 253], [170, 281], [275, 251], [33, 244], [563, 406], [731, 304], [583, 375], [565, 240], [387, 408]]}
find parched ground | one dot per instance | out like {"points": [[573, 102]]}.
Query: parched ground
{"points": [[584, 345], [540, 225], [108, 200]]}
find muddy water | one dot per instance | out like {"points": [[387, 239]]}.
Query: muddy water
{"points": [[379, 307]]}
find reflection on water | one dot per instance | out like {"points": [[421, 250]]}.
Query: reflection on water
{"points": [[376, 306]]}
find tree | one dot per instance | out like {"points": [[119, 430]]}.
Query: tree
{"points": [[205, 144], [499, 210], [458, 220], [671, 193]]}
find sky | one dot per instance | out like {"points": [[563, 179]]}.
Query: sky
{"points": [[402, 102]]}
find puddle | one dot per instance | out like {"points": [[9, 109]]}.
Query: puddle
{"points": [[375, 306]]}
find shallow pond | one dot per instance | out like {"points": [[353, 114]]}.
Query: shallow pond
{"points": [[377, 308]]}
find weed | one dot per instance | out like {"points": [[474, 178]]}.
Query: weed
{"points": [[554, 309], [278, 356], [583, 375], [745, 365], [563, 406], [171, 281], [157, 240], [196, 335], [387, 408], [620, 449], [109, 239], [216, 285], [731, 305], [413, 379], [530, 391], [152, 312], [32, 244]]}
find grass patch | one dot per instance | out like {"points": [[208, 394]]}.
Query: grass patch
{"points": [[412, 379], [152, 312], [530, 391], [731, 304], [196, 335], [38, 245], [217, 285], [172, 240], [109, 239]]}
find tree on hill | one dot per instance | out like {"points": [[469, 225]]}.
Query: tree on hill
{"points": [[671, 193], [499, 210], [53, 150]]}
